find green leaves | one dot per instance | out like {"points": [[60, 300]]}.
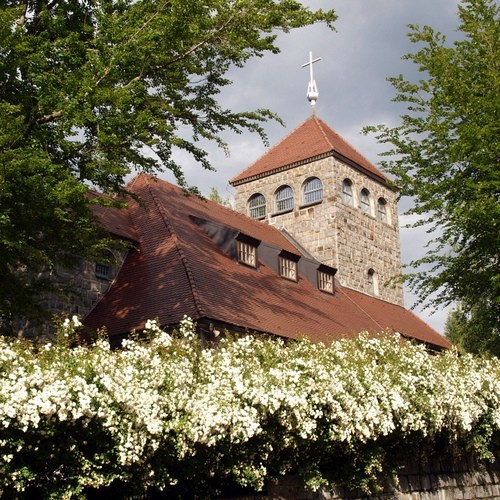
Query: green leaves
{"points": [[444, 154], [91, 92]]}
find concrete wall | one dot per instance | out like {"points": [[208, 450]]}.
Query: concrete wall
{"points": [[337, 234]]}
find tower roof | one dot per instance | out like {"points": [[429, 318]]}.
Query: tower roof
{"points": [[310, 141]]}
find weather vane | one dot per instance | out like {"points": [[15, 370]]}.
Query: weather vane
{"points": [[312, 89]]}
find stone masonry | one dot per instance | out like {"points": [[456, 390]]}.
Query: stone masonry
{"points": [[85, 288], [432, 479], [335, 233]]}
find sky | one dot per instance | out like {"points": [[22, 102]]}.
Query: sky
{"points": [[356, 61]]}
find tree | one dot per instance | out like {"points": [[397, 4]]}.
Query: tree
{"points": [[215, 196], [471, 330], [92, 91], [445, 155]]}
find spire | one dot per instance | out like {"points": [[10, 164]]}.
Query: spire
{"points": [[312, 89]]}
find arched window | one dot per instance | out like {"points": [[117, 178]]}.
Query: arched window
{"points": [[382, 210], [364, 201], [372, 282], [347, 192], [257, 206], [284, 199], [313, 190]]}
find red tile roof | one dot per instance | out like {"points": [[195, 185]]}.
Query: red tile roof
{"points": [[114, 220], [311, 140], [179, 270]]}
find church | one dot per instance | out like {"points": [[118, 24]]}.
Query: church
{"points": [[310, 250]]}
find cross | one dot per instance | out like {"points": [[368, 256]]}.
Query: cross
{"points": [[312, 89]]}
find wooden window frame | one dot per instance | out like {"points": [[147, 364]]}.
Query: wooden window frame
{"points": [[288, 268]]}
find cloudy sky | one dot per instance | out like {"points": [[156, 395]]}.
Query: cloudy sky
{"points": [[367, 48]]}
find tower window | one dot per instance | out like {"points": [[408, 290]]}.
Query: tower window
{"points": [[372, 282], [382, 210], [364, 201], [284, 199], [347, 192], [257, 206], [313, 190]]}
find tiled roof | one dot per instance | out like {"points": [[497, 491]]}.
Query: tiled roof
{"points": [[180, 270], [311, 140], [114, 220]]}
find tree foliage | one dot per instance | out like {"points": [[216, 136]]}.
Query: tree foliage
{"points": [[445, 155], [92, 91], [215, 196], [471, 330]]}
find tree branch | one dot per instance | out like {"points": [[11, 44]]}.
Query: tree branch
{"points": [[22, 19], [48, 118], [195, 47]]}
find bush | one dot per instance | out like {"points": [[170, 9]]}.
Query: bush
{"points": [[170, 414]]}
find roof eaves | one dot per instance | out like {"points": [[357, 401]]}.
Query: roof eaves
{"points": [[382, 180], [281, 168]]}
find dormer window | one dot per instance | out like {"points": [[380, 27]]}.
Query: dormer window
{"points": [[288, 265], [247, 254], [325, 279], [246, 250]]}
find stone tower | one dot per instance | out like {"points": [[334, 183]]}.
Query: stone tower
{"points": [[333, 202]]}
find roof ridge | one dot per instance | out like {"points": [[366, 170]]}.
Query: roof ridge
{"points": [[319, 124], [356, 150], [182, 255]]}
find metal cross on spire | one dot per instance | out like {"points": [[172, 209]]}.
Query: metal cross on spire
{"points": [[312, 89]]}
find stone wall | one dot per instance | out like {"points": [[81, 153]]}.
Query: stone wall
{"points": [[85, 289], [465, 479], [335, 233]]}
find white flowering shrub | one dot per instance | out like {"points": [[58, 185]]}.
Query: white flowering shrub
{"points": [[170, 413]]}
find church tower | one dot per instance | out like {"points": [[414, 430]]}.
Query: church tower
{"points": [[335, 203]]}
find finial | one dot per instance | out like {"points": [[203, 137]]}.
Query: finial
{"points": [[312, 89]]}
